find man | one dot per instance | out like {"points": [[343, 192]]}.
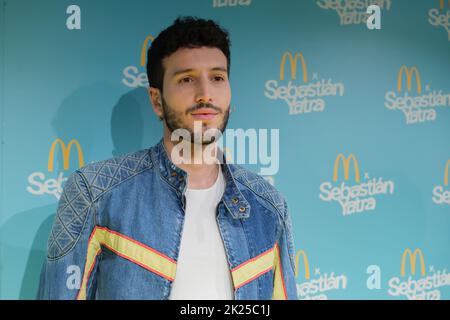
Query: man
{"points": [[156, 224]]}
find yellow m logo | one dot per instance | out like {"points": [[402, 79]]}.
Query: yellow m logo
{"points": [[305, 264], [412, 260], [346, 163], [409, 73], [293, 62], [144, 50], [442, 4], [65, 153], [446, 173]]}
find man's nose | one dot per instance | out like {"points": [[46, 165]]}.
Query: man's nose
{"points": [[204, 92]]}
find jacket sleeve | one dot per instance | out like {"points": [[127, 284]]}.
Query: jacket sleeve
{"points": [[285, 287], [63, 273]]}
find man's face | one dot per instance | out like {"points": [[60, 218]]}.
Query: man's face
{"points": [[196, 88]]}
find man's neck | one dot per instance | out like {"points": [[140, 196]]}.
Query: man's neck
{"points": [[201, 175]]}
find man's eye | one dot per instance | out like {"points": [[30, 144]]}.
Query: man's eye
{"points": [[185, 80], [219, 78]]}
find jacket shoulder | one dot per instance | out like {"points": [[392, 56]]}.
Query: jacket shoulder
{"points": [[104, 175], [260, 186], [73, 208], [82, 188]]}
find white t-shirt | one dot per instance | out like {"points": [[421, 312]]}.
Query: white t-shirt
{"points": [[202, 269]]}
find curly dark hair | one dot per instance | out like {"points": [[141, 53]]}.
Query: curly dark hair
{"points": [[185, 32]]}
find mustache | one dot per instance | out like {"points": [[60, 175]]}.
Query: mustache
{"points": [[203, 105]]}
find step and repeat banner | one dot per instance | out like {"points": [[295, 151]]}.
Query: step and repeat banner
{"points": [[363, 118]]}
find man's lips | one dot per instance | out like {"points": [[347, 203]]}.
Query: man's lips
{"points": [[204, 116], [204, 113]]}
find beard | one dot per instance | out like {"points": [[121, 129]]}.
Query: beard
{"points": [[177, 120]]}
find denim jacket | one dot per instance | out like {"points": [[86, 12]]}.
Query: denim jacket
{"points": [[118, 227]]}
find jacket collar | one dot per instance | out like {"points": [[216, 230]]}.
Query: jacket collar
{"points": [[232, 198]]}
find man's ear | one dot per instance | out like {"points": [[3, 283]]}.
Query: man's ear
{"points": [[156, 101]]}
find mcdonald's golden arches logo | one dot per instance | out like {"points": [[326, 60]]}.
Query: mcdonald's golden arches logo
{"points": [[412, 261], [144, 49], [442, 4], [409, 73], [293, 64], [346, 165], [302, 253], [446, 173], [66, 154]]}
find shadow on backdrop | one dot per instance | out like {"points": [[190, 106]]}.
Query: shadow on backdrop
{"points": [[15, 248], [104, 128]]}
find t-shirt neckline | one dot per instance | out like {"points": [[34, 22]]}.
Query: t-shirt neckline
{"points": [[213, 186]]}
